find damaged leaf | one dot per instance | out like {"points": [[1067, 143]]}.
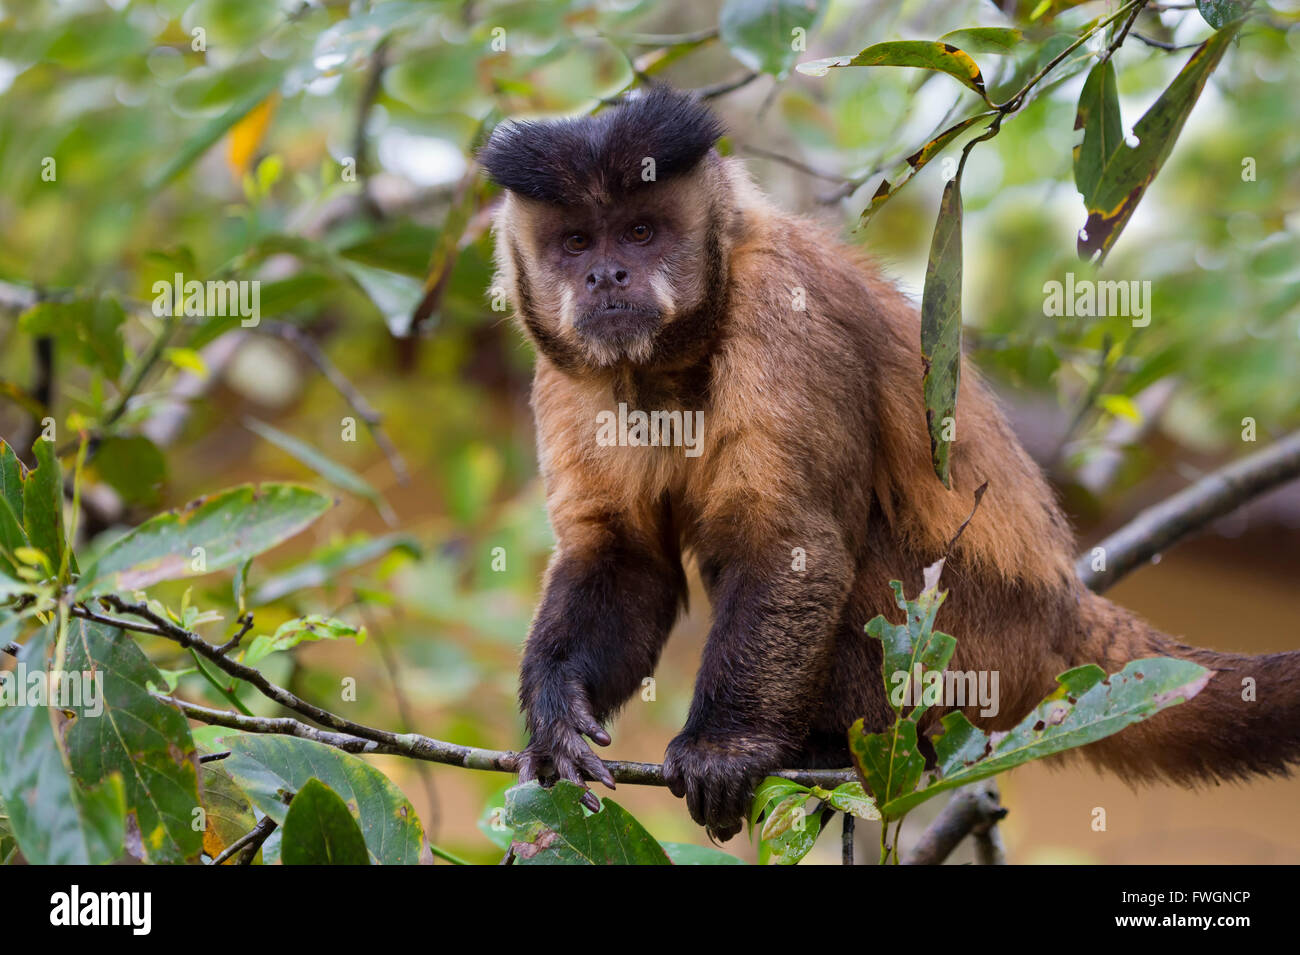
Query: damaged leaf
{"points": [[552, 828]]}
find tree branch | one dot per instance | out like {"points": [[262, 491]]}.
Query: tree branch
{"points": [[1188, 511], [416, 746], [972, 809]]}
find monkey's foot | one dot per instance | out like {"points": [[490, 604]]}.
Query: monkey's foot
{"points": [[717, 777]]}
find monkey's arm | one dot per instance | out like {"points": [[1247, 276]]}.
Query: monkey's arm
{"points": [[763, 665], [612, 593]]}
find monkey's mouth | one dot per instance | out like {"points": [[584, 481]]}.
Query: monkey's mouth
{"points": [[618, 328], [612, 306]]}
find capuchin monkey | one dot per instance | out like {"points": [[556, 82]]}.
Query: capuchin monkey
{"points": [[652, 276]]}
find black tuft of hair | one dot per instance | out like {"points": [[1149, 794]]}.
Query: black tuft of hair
{"points": [[601, 158]]}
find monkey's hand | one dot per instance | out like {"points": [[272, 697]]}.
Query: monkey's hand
{"points": [[557, 750], [717, 777]]}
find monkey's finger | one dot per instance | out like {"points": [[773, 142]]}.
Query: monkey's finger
{"points": [[676, 785], [526, 767], [588, 724], [595, 768], [569, 770]]}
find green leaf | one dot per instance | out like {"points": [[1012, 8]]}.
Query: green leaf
{"points": [[760, 33], [338, 475], [1001, 40], [53, 820], [300, 630], [133, 466], [12, 535], [770, 790], [270, 769], [1219, 13], [1121, 406], [941, 328], [230, 527], [687, 853], [1130, 169], [1086, 707], [1098, 116], [327, 565], [915, 642], [128, 732], [793, 843], [13, 473], [889, 762], [923, 54], [789, 812], [492, 820], [91, 328], [43, 504], [552, 828], [852, 799], [319, 830]]}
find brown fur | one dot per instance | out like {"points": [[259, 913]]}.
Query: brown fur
{"points": [[814, 438]]}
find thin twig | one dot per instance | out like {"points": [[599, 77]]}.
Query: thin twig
{"points": [[846, 840], [254, 837], [796, 164], [726, 86], [1161, 44], [363, 409], [972, 807]]}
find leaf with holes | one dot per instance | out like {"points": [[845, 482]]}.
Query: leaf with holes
{"points": [[1086, 707]]}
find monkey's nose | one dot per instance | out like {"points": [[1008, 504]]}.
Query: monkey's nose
{"points": [[604, 278]]}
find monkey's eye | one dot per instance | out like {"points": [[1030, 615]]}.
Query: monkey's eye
{"points": [[639, 233], [577, 242]]}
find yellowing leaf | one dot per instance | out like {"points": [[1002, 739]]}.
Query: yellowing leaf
{"points": [[246, 135]]}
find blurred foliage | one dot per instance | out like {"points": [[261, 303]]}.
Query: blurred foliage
{"points": [[323, 149]]}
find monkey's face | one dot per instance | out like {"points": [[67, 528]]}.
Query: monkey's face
{"points": [[608, 278]]}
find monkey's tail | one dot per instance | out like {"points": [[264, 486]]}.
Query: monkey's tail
{"points": [[1244, 722]]}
